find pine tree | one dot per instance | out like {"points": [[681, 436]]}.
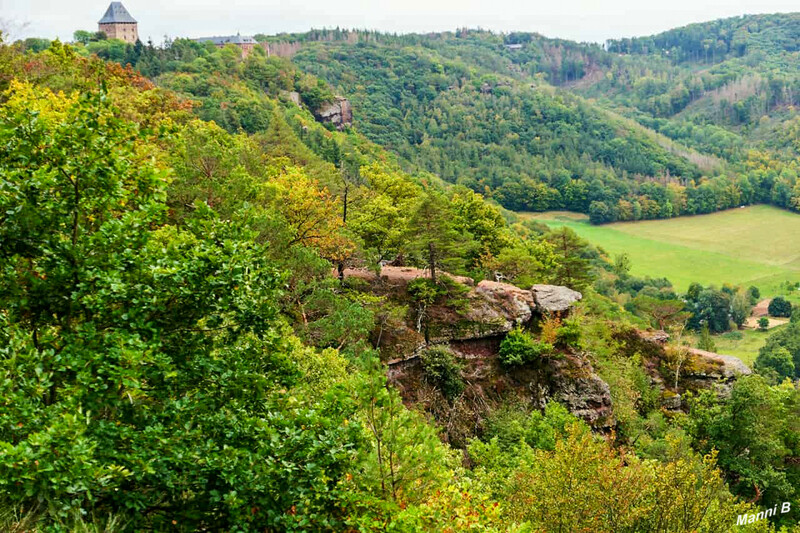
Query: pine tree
{"points": [[434, 238], [573, 269]]}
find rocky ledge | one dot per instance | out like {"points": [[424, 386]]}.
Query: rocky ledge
{"points": [[676, 371], [473, 330]]}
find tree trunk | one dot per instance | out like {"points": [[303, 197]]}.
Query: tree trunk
{"points": [[432, 262]]}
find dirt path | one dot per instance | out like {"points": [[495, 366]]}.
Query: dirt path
{"points": [[761, 308]]}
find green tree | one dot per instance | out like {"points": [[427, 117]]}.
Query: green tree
{"points": [[750, 432], [434, 237], [573, 268], [519, 348], [82, 36], [706, 341], [787, 337], [144, 366], [780, 307], [443, 370], [776, 363]]}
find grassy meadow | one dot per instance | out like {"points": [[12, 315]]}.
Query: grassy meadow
{"points": [[757, 245], [743, 344]]}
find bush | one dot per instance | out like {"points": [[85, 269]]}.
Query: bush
{"points": [[569, 334], [754, 294], [443, 371], [763, 323], [733, 336], [519, 348], [780, 307], [706, 342]]}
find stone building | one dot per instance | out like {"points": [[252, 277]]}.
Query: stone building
{"points": [[244, 43], [117, 23]]}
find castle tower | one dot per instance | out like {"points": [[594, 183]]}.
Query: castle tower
{"points": [[117, 23]]}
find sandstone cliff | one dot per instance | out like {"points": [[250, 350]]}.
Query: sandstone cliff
{"points": [[473, 331], [339, 113], [676, 371]]}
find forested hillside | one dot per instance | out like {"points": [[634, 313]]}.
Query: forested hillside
{"points": [[661, 137], [220, 312]]}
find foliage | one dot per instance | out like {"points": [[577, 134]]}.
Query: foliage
{"points": [[787, 338], [519, 348], [443, 370], [569, 334], [710, 309], [435, 240], [175, 352], [780, 307], [193, 350], [706, 342], [582, 483], [405, 460], [777, 364], [751, 433], [572, 259]]}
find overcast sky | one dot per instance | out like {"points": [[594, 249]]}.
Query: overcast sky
{"points": [[582, 20]]}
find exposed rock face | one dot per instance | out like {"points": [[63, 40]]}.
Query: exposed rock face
{"points": [[474, 332], [698, 369], [569, 380], [493, 309], [657, 336], [339, 113], [294, 97], [553, 298], [582, 391], [725, 366]]}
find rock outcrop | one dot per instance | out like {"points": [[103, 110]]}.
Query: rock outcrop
{"points": [[339, 113], [569, 379], [676, 372], [575, 385], [554, 299], [473, 330]]}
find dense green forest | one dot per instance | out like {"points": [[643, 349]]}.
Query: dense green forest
{"points": [[182, 350], [669, 133]]}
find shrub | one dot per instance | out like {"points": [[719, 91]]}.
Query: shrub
{"points": [[780, 307], [733, 336], [754, 294], [706, 342], [519, 348], [569, 334], [763, 323], [443, 371], [549, 330]]}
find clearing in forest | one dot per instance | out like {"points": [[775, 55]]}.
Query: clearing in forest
{"points": [[757, 245]]}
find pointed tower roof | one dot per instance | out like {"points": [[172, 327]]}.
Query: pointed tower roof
{"points": [[116, 12]]}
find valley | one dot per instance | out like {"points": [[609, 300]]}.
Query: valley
{"points": [[353, 280], [756, 245]]}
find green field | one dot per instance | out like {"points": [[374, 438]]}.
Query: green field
{"points": [[745, 348], [758, 245]]}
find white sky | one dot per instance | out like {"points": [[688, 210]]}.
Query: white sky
{"points": [[582, 20]]}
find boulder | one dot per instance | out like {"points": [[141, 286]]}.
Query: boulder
{"points": [[657, 336], [554, 298]]}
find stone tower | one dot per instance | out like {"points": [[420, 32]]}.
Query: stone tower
{"points": [[117, 23]]}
